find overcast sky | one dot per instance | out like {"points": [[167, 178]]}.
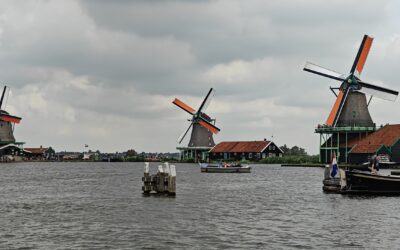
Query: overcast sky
{"points": [[104, 73]]}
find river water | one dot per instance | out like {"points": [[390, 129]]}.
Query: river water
{"points": [[100, 206]]}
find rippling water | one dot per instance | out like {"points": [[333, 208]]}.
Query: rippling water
{"points": [[100, 206]]}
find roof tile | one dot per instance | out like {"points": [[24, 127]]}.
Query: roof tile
{"points": [[240, 147]]}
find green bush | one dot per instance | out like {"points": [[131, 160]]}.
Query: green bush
{"points": [[134, 159], [292, 159]]}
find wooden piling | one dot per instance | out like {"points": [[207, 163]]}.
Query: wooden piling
{"points": [[147, 187], [160, 180], [172, 181], [163, 182]]}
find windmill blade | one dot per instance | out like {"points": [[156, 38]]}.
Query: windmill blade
{"points": [[313, 68], [184, 133], [207, 103], [362, 55], [335, 109], [343, 101], [205, 100], [203, 122], [2, 96], [377, 91], [184, 106]]}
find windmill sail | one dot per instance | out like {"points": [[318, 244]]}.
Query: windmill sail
{"points": [[332, 116], [362, 55], [377, 91], [182, 136], [313, 68], [2, 96], [184, 106], [208, 100]]}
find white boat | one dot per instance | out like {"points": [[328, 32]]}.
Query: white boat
{"points": [[224, 168]]}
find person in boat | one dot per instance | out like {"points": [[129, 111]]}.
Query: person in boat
{"points": [[374, 163], [378, 162]]}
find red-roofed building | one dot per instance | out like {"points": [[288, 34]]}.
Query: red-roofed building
{"points": [[385, 141], [40, 153], [245, 150]]}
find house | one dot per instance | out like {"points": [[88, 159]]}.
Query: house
{"points": [[40, 153], [245, 150], [384, 142]]}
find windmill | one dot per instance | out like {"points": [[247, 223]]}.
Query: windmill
{"points": [[350, 110], [8, 145], [203, 128]]}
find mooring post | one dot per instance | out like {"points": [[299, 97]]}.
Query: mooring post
{"points": [[166, 176], [327, 172], [146, 179], [172, 181], [160, 179]]}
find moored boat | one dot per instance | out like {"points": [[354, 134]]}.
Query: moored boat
{"points": [[224, 168], [368, 183], [361, 182]]}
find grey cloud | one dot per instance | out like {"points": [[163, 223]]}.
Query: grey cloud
{"points": [[133, 57]]}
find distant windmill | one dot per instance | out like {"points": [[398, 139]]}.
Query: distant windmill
{"points": [[203, 128], [6, 123], [351, 106], [349, 119]]}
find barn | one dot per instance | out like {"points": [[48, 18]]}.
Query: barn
{"points": [[384, 142], [244, 150]]}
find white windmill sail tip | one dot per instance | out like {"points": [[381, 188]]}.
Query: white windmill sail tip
{"points": [[314, 68], [378, 91], [378, 94]]}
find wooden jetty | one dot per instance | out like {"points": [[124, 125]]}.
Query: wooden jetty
{"points": [[163, 182]]}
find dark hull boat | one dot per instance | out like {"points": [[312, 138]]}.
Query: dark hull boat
{"points": [[218, 168], [367, 183], [361, 182]]}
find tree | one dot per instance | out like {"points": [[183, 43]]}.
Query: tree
{"points": [[295, 150], [285, 149], [131, 153]]}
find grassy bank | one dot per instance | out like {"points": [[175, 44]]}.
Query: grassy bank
{"points": [[292, 159]]}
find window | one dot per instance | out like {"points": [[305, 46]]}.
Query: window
{"points": [[264, 155], [250, 155], [258, 155]]}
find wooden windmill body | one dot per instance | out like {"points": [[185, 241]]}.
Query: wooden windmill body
{"points": [[349, 119]]}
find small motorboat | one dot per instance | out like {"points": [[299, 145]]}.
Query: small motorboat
{"points": [[224, 168]]}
